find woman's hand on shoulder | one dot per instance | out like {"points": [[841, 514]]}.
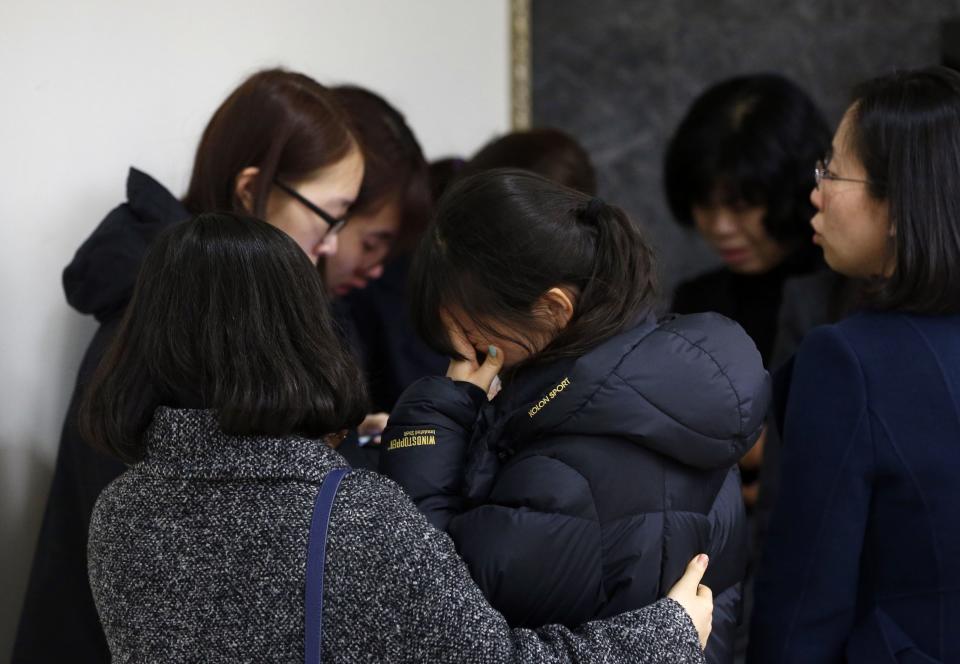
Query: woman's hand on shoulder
{"points": [[694, 597]]}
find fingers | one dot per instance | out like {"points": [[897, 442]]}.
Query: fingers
{"points": [[459, 369], [457, 336], [471, 369], [704, 592], [490, 368], [494, 388], [705, 596], [373, 424], [690, 581], [695, 598]]}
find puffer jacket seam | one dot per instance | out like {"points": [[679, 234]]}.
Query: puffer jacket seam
{"points": [[596, 513], [740, 408], [665, 413], [613, 372], [600, 384]]}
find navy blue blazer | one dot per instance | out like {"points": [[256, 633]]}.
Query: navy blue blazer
{"points": [[862, 561]]}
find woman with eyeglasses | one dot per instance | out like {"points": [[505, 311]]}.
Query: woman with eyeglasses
{"points": [[863, 553], [279, 147]]}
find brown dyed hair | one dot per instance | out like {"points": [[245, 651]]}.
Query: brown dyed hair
{"points": [[394, 166], [284, 123]]}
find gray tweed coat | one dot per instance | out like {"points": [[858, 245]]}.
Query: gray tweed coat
{"points": [[197, 554]]}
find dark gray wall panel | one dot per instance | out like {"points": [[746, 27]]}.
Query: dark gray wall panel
{"points": [[619, 74]]}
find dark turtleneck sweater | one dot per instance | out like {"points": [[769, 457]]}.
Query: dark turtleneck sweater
{"points": [[752, 300]]}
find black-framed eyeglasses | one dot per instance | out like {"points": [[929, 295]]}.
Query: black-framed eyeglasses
{"points": [[334, 225], [821, 172]]}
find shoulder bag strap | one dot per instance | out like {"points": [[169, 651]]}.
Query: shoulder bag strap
{"points": [[316, 557]]}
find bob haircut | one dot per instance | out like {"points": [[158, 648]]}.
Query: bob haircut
{"points": [[551, 153], [749, 140], [503, 238], [228, 314], [284, 123], [395, 169], [905, 129]]}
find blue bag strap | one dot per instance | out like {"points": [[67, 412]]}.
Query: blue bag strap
{"points": [[316, 557]]}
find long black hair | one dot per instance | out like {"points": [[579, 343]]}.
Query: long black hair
{"points": [[227, 314], [503, 238], [905, 129], [750, 139]]}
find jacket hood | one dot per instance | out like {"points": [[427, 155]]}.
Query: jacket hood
{"points": [[692, 388], [100, 278]]}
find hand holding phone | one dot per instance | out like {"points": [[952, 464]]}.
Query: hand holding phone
{"points": [[370, 429]]}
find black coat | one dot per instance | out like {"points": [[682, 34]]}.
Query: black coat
{"points": [[752, 300], [59, 621], [584, 488]]}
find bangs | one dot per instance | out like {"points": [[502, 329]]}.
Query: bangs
{"points": [[733, 192], [430, 281], [736, 172], [438, 282]]}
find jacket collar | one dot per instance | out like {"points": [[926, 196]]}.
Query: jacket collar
{"points": [[539, 400], [691, 388], [188, 443], [542, 399]]}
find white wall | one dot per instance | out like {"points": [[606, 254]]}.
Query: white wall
{"points": [[89, 88]]}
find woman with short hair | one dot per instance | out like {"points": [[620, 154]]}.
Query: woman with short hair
{"points": [[737, 169]]}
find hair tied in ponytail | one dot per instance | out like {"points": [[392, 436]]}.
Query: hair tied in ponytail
{"points": [[591, 213]]}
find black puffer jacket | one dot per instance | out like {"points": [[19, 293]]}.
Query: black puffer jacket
{"points": [[586, 486], [99, 281]]}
